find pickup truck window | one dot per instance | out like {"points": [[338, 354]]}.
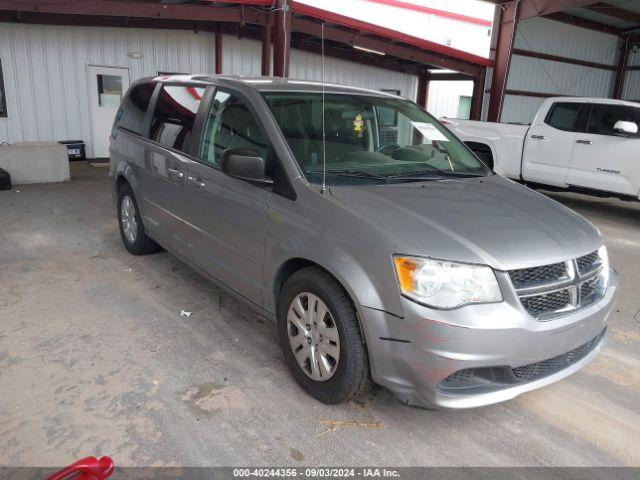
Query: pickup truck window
{"points": [[368, 139], [604, 117], [564, 116]]}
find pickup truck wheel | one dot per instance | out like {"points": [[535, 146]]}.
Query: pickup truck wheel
{"points": [[132, 232], [320, 337]]}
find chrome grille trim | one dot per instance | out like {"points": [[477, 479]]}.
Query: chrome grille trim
{"points": [[576, 282]]}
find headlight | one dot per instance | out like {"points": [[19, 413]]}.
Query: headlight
{"points": [[441, 284], [604, 260]]}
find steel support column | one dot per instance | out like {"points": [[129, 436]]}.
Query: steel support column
{"points": [[266, 48], [422, 98], [478, 95], [621, 71], [507, 27], [218, 47], [282, 38]]}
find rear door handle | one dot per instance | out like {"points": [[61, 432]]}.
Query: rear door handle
{"points": [[584, 142], [196, 181], [539, 137], [175, 172]]}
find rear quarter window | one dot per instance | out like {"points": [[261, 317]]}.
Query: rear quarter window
{"points": [[175, 114], [134, 107]]}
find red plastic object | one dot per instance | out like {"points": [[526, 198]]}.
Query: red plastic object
{"points": [[89, 468]]}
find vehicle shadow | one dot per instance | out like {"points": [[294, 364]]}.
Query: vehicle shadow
{"points": [[611, 208]]}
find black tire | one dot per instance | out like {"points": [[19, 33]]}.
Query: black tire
{"points": [[142, 245], [352, 375]]}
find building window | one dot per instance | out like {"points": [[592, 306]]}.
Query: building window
{"points": [[464, 107], [3, 97]]}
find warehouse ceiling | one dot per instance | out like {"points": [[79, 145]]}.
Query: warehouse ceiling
{"points": [[613, 16]]}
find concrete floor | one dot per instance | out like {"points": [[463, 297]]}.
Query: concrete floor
{"points": [[95, 359]]}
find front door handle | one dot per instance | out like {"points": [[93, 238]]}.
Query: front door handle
{"points": [[539, 137], [584, 142], [175, 172], [196, 181]]}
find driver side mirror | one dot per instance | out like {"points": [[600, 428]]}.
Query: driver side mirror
{"points": [[626, 128], [244, 164]]}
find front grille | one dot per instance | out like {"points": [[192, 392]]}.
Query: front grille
{"points": [[485, 379], [550, 290], [588, 262], [549, 302], [525, 277], [548, 367]]}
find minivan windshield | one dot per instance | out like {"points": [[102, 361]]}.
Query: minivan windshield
{"points": [[371, 139]]}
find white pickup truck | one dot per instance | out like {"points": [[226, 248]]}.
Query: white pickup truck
{"points": [[586, 145]]}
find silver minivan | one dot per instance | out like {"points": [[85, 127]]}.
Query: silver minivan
{"points": [[383, 248]]}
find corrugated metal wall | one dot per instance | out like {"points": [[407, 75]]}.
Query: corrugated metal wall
{"points": [[308, 66], [45, 72], [444, 97], [631, 89], [551, 77]]}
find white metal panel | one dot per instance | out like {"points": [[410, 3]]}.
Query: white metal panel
{"points": [[241, 56], [632, 86], [308, 66], [444, 97], [518, 109], [45, 72], [545, 76], [564, 40], [634, 58]]}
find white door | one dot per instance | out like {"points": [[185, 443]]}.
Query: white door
{"points": [[107, 85], [606, 159], [549, 145]]}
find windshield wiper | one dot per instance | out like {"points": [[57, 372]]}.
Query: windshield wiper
{"points": [[433, 174], [352, 173]]}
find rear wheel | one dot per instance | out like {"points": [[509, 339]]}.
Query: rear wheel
{"points": [[321, 338], [132, 232]]}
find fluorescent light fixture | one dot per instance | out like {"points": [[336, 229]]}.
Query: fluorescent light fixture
{"points": [[368, 50]]}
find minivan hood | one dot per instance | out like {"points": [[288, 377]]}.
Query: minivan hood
{"points": [[489, 220]]}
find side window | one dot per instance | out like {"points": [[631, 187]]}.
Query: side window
{"points": [[564, 116], [230, 124], [132, 111], [604, 117], [175, 113]]}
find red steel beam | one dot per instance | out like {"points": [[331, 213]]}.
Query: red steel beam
{"points": [[478, 96], [423, 89], [218, 57], [282, 38], [556, 58], [449, 77], [388, 34], [434, 11], [266, 48], [507, 27], [584, 23], [405, 52], [121, 8], [615, 12]]}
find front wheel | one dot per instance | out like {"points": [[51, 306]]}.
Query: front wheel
{"points": [[321, 338]]}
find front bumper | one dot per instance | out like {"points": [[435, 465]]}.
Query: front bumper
{"points": [[412, 356]]}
